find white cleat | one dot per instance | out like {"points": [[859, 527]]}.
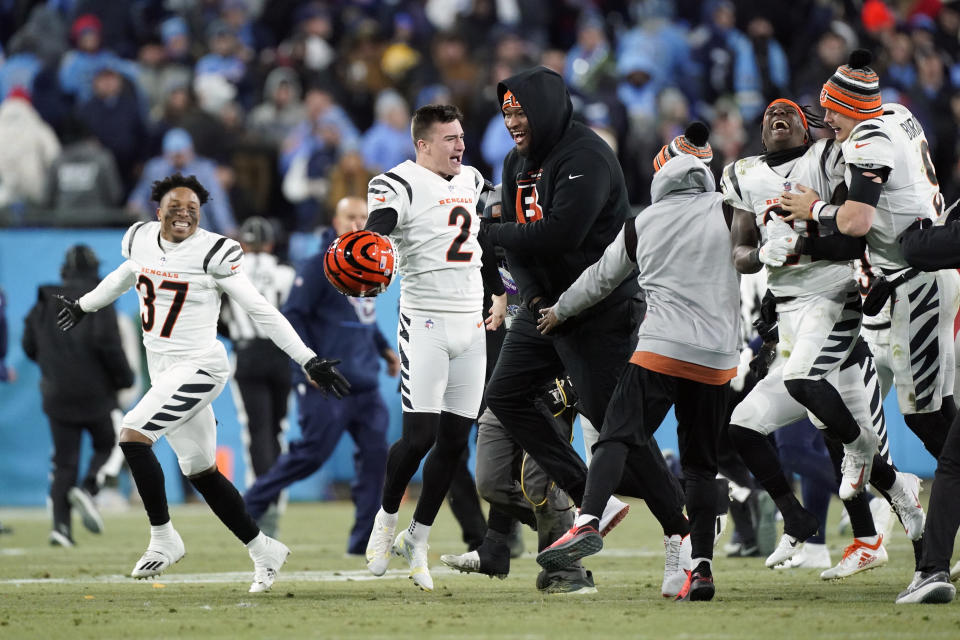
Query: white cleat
{"points": [[416, 556], [859, 556], [676, 564], [812, 555], [786, 549], [857, 464], [159, 556], [380, 543], [905, 500], [613, 514], [267, 563], [87, 508]]}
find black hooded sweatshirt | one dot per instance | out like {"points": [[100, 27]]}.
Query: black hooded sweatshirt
{"points": [[81, 370], [576, 184]]}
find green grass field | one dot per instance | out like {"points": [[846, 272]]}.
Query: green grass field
{"points": [[50, 592]]}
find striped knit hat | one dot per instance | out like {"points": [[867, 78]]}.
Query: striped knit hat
{"points": [[693, 141], [854, 89]]}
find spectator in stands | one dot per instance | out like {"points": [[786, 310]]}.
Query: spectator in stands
{"points": [[306, 183], [80, 375], [176, 41], [760, 71], [180, 110], [226, 59], [638, 90], [281, 110], [84, 181], [714, 43], [589, 61], [349, 177], [901, 74], [322, 113], [387, 143], [79, 65], [179, 157], [115, 115], [28, 150]]}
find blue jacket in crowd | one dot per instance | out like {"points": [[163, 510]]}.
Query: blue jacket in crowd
{"points": [[334, 325]]}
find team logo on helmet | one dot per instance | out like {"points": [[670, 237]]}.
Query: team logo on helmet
{"points": [[360, 263]]}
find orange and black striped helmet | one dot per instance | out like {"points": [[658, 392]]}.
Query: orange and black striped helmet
{"points": [[360, 263]]}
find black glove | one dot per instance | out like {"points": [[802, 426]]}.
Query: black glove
{"points": [[325, 374], [760, 365], [70, 314], [766, 324]]}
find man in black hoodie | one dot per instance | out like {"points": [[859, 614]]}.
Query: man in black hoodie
{"points": [[80, 374], [564, 200]]}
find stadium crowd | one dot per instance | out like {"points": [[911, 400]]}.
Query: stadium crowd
{"points": [[283, 107]]}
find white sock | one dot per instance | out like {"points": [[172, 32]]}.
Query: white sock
{"points": [[256, 545], [584, 518], [163, 531], [389, 518], [419, 532], [870, 540]]}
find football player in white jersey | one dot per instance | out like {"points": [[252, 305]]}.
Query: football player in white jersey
{"points": [[180, 272], [891, 183], [429, 210], [822, 366]]}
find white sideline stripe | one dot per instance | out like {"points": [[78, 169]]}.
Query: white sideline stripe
{"points": [[231, 577]]}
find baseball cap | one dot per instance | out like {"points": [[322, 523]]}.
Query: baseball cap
{"points": [[177, 140]]}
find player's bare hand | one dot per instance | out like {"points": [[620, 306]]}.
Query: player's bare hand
{"points": [[797, 203], [498, 311], [548, 321], [393, 362]]}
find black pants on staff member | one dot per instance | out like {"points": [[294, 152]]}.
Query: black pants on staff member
{"points": [[66, 465], [592, 351]]}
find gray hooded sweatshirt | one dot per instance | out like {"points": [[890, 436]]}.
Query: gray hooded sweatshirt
{"points": [[682, 247]]}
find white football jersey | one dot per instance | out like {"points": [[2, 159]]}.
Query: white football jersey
{"points": [[179, 298], [895, 140], [435, 237], [752, 185]]}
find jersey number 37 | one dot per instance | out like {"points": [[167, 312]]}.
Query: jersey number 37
{"points": [[148, 315]]}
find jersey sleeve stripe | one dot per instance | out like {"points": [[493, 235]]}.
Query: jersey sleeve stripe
{"points": [[235, 250], [406, 185], [873, 134], [136, 228], [866, 126], [630, 238], [824, 156], [381, 182], [212, 252], [732, 175]]}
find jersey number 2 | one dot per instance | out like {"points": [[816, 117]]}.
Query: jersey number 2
{"points": [[459, 216], [149, 296]]}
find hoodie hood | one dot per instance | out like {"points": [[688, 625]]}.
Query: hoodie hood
{"points": [[681, 173], [278, 75], [546, 102]]}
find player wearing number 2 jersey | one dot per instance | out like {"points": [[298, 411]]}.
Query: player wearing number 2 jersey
{"points": [[429, 209], [179, 271]]}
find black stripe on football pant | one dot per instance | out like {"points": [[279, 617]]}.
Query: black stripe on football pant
{"points": [[213, 250]]}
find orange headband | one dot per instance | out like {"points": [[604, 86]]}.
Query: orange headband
{"points": [[803, 116], [509, 100]]}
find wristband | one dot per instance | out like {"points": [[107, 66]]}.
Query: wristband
{"points": [[813, 208], [826, 215]]}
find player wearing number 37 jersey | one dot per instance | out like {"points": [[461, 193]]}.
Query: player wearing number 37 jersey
{"points": [[179, 272]]}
